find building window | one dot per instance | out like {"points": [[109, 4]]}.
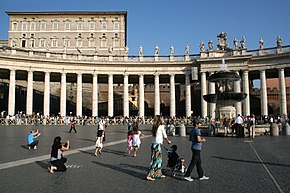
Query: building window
{"points": [[23, 43], [66, 42], [32, 26], [103, 41], [67, 25], [79, 26], [104, 24], [14, 26], [24, 26], [92, 25], [54, 25], [31, 43], [116, 25], [42, 25], [54, 42], [42, 43], [91, 42]]}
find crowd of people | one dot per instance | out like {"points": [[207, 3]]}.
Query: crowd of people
{"points": [[159, 133]]}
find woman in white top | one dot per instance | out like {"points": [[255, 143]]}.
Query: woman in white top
{"points": [[158, 132]]}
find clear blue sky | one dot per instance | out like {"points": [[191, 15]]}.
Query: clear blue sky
{"points": [[178, 22]]}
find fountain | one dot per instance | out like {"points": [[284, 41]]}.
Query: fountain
{"points": [[225, 96]]}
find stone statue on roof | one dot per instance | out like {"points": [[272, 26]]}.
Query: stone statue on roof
{"points": [[279, 41], [261, 43], [201, 46], [243, 43], [222, 38], [210, 45]]}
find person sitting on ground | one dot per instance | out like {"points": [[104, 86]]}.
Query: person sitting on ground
{"points": [[32, 142], [57, 160]]}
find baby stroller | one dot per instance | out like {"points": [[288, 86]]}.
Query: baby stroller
{"points": [[175, 163]]}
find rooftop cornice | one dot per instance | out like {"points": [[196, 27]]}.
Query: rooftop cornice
{"points": [[66, 13]]}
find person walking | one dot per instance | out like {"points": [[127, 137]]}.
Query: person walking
{"points": [[159, 133], [197, 140], [56, 157], [73, 126], [32, 142], [136, 141]]}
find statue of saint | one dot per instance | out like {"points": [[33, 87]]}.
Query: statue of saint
{"points": [[186, 49], [235, 44], [156, 50], [210, 45], [279, 41], [201, 46], [261, 42], [140, 51], [171, 50], [243, 43]]}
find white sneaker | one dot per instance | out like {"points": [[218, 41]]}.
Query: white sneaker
{"points": [[35, 147], [188, 178], [204, 178]]}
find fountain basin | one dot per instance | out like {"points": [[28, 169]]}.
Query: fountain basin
{"points": [[226, 97]]}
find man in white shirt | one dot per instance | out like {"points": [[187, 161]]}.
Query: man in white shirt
{"points": [[240, 131]]}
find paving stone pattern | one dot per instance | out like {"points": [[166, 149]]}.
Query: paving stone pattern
{"points": [[231, 163]]}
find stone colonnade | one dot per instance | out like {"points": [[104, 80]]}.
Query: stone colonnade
{"points": [[243, 107], [95, 90]]}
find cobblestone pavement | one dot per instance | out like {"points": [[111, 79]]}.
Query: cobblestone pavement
{"points": [[233, 164]]}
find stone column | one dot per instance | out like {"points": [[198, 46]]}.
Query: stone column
{"points": [[125, 97], [212, 106], [110, 96], [95, 101], [263, 87], [157, 95], [79, 107], [237, 88], [246, 102], [11, 99], [46, 94], [29, 97], [172, 96], [63, 94], [187, 95], [141, 96], [283, 103], [203, 92]]}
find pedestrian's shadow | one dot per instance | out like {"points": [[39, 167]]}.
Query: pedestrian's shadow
{"points": [[87, 152], [250, 161], [122, 169], [134, 166], [24, 146], [87, 139], [42, 164], [116, 152]]}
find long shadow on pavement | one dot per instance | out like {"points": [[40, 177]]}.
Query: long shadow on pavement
{"points": [[123, 170], [250, 161]]}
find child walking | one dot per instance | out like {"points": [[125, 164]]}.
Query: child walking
{"points": [[136, 142], [129, 142], [99, 142]]}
